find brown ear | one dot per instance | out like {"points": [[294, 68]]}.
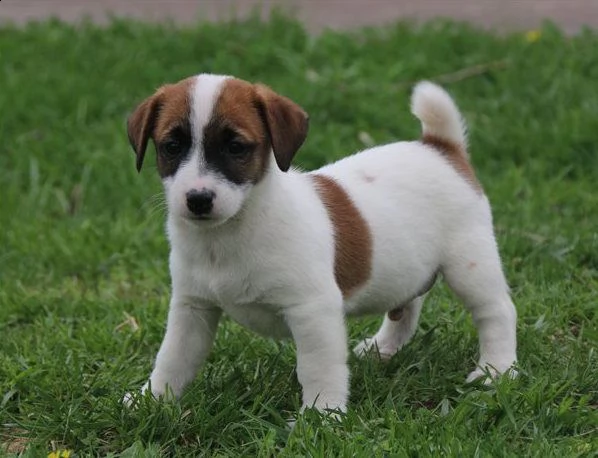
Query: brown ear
{"points": [[140, 126], [287, 124]]}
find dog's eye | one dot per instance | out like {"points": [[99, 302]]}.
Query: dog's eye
{"points": [[172, 148], [236, 148]]}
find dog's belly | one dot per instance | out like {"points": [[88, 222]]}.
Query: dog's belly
{"points": [[375, 301], [382, 297], [263, 319]]}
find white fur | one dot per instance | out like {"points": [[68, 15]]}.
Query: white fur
{"points": [[271, 268], [194, 174], [438, 113]]}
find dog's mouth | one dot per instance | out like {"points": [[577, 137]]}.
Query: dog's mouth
{"points": [[199, 218]]}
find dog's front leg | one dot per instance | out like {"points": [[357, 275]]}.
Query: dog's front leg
{"points": [[190, 332], [319, 332]]}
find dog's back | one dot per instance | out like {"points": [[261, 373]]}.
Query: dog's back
{"points": [[415, 196]]}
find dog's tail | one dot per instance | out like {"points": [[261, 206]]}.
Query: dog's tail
{"points": [[443, 128], [441, 120]]}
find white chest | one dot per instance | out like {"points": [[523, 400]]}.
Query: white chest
{"points": [[241, 290], [265, 319]]}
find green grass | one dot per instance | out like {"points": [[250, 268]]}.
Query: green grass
{"points": [[82, 244]]}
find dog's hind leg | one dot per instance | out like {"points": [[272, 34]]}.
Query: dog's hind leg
{"points": [[397, 329], [473, 270]]}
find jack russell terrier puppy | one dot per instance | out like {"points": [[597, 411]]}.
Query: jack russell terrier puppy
{"points": [[289, 254]]}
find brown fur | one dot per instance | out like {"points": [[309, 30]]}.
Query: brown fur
{"points": [[175, 107], [254, 113], [236, 105], [456, 156], [287, 124], [236, 110], [353, 239], [156, 116]]}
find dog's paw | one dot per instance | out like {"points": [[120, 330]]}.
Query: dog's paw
{"points": [[131, 399], [326, 415], [370, 346], [489, 373]]}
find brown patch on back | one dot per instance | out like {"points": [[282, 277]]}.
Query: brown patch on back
{"points": [[352, 236], [456, 156]]}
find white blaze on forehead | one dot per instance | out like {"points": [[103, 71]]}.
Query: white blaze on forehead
{"points": [[204, 94], [192, 173]]}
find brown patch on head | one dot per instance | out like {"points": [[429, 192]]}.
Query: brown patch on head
{"points": [[247, 122], [236, 141], [456, 156], [352, 236], [163, 117], [287, 124]]}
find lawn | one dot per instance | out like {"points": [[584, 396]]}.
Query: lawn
{"points": [[84, 283]]}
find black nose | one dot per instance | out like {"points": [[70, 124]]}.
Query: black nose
{"points": [[200, 203]]}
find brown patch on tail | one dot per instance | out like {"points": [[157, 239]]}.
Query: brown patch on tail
{"points": [[456, 156], [352, 236]]}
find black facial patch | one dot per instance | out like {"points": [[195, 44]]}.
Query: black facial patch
{"points": [[227, 151], [173, 149]]}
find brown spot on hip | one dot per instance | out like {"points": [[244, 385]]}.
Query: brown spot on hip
{"points": [[456, 156], [352, 236]]}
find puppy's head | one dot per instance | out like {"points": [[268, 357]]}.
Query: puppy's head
{"points": [[216, 137]]}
